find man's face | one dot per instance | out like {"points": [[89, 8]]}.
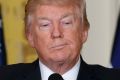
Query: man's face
{"points": [[57, 34]]}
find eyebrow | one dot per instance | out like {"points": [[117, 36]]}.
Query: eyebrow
{"points": [[64, 16], [67, 15], [43, 18]]}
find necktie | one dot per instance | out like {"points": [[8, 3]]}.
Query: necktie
{"points": [[55, 76]]}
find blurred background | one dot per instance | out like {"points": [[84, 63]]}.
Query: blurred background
{"points": [[102, 46]]}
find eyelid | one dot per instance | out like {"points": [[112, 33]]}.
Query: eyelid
{"points": [[45, 25], [44, 22], [67, 21]]}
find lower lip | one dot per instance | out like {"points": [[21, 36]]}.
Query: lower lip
{"points": [[59, 47]]}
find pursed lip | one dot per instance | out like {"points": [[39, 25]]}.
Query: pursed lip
{"points": [[58, 46]]}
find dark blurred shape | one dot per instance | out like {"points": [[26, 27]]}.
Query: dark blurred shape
{"points": [[2, 45], [115, 59], [55, 76]]}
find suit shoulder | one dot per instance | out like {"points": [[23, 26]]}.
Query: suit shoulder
{"points": [[19, 66], [17, 71], [102, 68], [11, 72], [93, 67], [104, 72], [14, 66], [99, 72]]}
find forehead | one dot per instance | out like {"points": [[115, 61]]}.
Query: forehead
{"points": [[52, 11]]}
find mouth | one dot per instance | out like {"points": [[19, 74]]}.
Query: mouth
{"points": [[58, 46]]}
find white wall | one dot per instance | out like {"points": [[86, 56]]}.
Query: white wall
{"points": [[102, 15]]}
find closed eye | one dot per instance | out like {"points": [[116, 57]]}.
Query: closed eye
{"points": [[67, 22], [44, 25]]}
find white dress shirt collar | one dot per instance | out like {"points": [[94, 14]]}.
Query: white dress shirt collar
{"points": [[69, 75]]}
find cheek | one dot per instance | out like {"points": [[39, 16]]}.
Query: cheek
{"points": [[41, 41], [74, 36]]}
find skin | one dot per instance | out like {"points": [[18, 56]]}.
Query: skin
{"points": [[57, 34]]}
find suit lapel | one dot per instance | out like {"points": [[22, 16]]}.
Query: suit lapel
{"points": [[31, 72], [86, 72]]}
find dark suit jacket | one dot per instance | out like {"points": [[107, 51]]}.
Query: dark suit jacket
{"points": [[31, 71]]}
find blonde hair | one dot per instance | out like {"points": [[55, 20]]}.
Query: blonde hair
{"points": [[79, 5]]}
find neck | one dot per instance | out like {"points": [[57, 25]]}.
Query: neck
{"points": [[61, 67]]}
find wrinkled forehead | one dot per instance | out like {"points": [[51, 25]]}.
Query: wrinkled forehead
{"points": [[56, 12]]}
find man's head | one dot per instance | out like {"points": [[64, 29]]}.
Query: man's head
{"points": [[79, 6], [57, 30]]}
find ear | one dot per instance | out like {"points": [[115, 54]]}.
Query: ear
{"points": [[30, 38], [85, 35]]}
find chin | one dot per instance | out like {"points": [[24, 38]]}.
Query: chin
{"points": [[60, 57]]}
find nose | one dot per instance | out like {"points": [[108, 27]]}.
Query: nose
{"points": [[57, 32]]}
